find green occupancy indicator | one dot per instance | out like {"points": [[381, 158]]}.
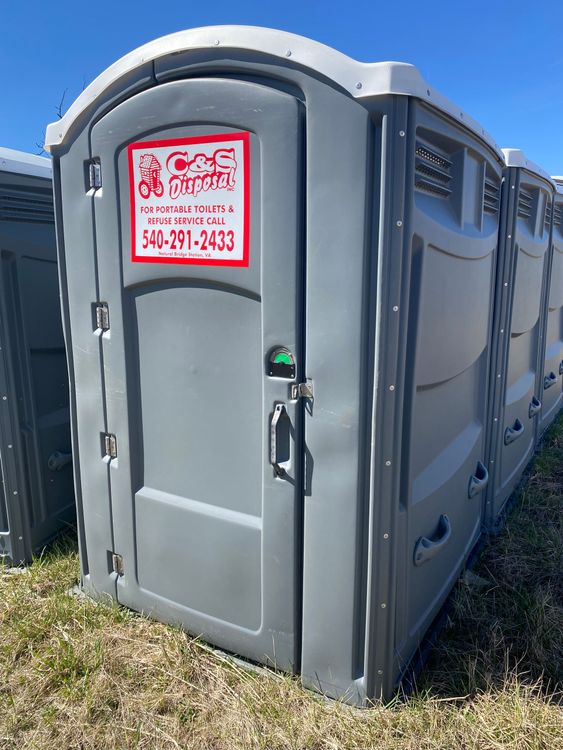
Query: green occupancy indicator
{"points": [[283, 358], [281, 363]]}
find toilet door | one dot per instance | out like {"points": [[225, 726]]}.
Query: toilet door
{"points": [[198, 235]]}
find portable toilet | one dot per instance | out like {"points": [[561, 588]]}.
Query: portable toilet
{"points": [[280, 360], [517, 384], [552, 400], [36, 492]]}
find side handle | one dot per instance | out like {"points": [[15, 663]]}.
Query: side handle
{"points": [[513, 433], [425, 549], [535, 407], [479, 480], [58, 460], [549, 380]]}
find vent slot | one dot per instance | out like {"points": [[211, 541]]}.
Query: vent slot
{"points": [[525, 200], [491, 197], [433, 172], [557, 214], [547, 218], [26, 205]]}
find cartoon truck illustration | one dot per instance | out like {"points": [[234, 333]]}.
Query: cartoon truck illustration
{"points": [[150, 176]]}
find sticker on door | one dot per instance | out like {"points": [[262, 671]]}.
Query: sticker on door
{"points": [[190, 200]]}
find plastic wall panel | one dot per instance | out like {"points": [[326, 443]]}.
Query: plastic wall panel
{"points": [[517, 384], [38, 493], [453, 231], [552, 398]]}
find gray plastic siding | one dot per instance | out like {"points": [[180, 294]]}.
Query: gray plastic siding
{"points": [[35, 420], [552, 400], [517, 383]]}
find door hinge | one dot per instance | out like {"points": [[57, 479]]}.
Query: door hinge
{"points": [[95, 174], [302, 390], [117, 563], [110, 445], [102, 316]]}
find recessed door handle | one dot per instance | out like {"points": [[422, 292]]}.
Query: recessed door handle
{"points": [[425, 549], [549, 380], [561, 367], [280, 467], [535, 407], [479, 480], [513, 433]]}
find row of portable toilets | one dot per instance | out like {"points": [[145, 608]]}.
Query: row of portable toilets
{"points": [[314, 328]]}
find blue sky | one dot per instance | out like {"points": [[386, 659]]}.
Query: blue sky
{"points": [[501, 60]]}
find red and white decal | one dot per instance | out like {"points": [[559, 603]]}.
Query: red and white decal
{"points": [[190, 200]]}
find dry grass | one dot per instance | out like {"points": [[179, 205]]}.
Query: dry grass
{"points": [[80, 675]]}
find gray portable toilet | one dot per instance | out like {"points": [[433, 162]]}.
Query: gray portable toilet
{"points": [[36, 491], [279, 334], [517, 383], [552, 400]]}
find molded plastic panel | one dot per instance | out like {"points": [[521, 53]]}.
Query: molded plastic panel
{"points": [[552, 398], [205, 528], [38, 496], [452, 234], [518, 383]]}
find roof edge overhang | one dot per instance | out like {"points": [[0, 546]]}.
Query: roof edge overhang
{"points": [[360, 80], [20, 162], [515, 157]]}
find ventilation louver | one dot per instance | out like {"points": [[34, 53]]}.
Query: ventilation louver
{"points": [[491, 197], [16, 205], [557, 214], [547, 219], [433, 172], [525, 200]]}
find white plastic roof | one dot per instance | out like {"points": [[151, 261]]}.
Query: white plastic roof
{"points": [[515, 157], [558, 182], [359, 79], [22, 163]]}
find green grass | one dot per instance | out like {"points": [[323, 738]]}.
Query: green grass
{"points": [[80, 675]]}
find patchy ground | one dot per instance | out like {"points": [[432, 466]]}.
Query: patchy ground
{"points": [[80, 675]]}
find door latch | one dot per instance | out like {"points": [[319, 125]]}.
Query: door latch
{"points": [[302, 390]]}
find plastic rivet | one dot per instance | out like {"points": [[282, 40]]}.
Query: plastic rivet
{"points": [[498, 376], [502, 330], [399, 223], [495, 419], [402, 133], [387, 463], [20, 538], [395, 308], [383, 605], [509, 236], [4, 398], [428, 92], [379, 671], [391, 387], [10, 445], [358, 85], [15, 492], [506, 283], [386, 535], [216, 42], [288, 53]]}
